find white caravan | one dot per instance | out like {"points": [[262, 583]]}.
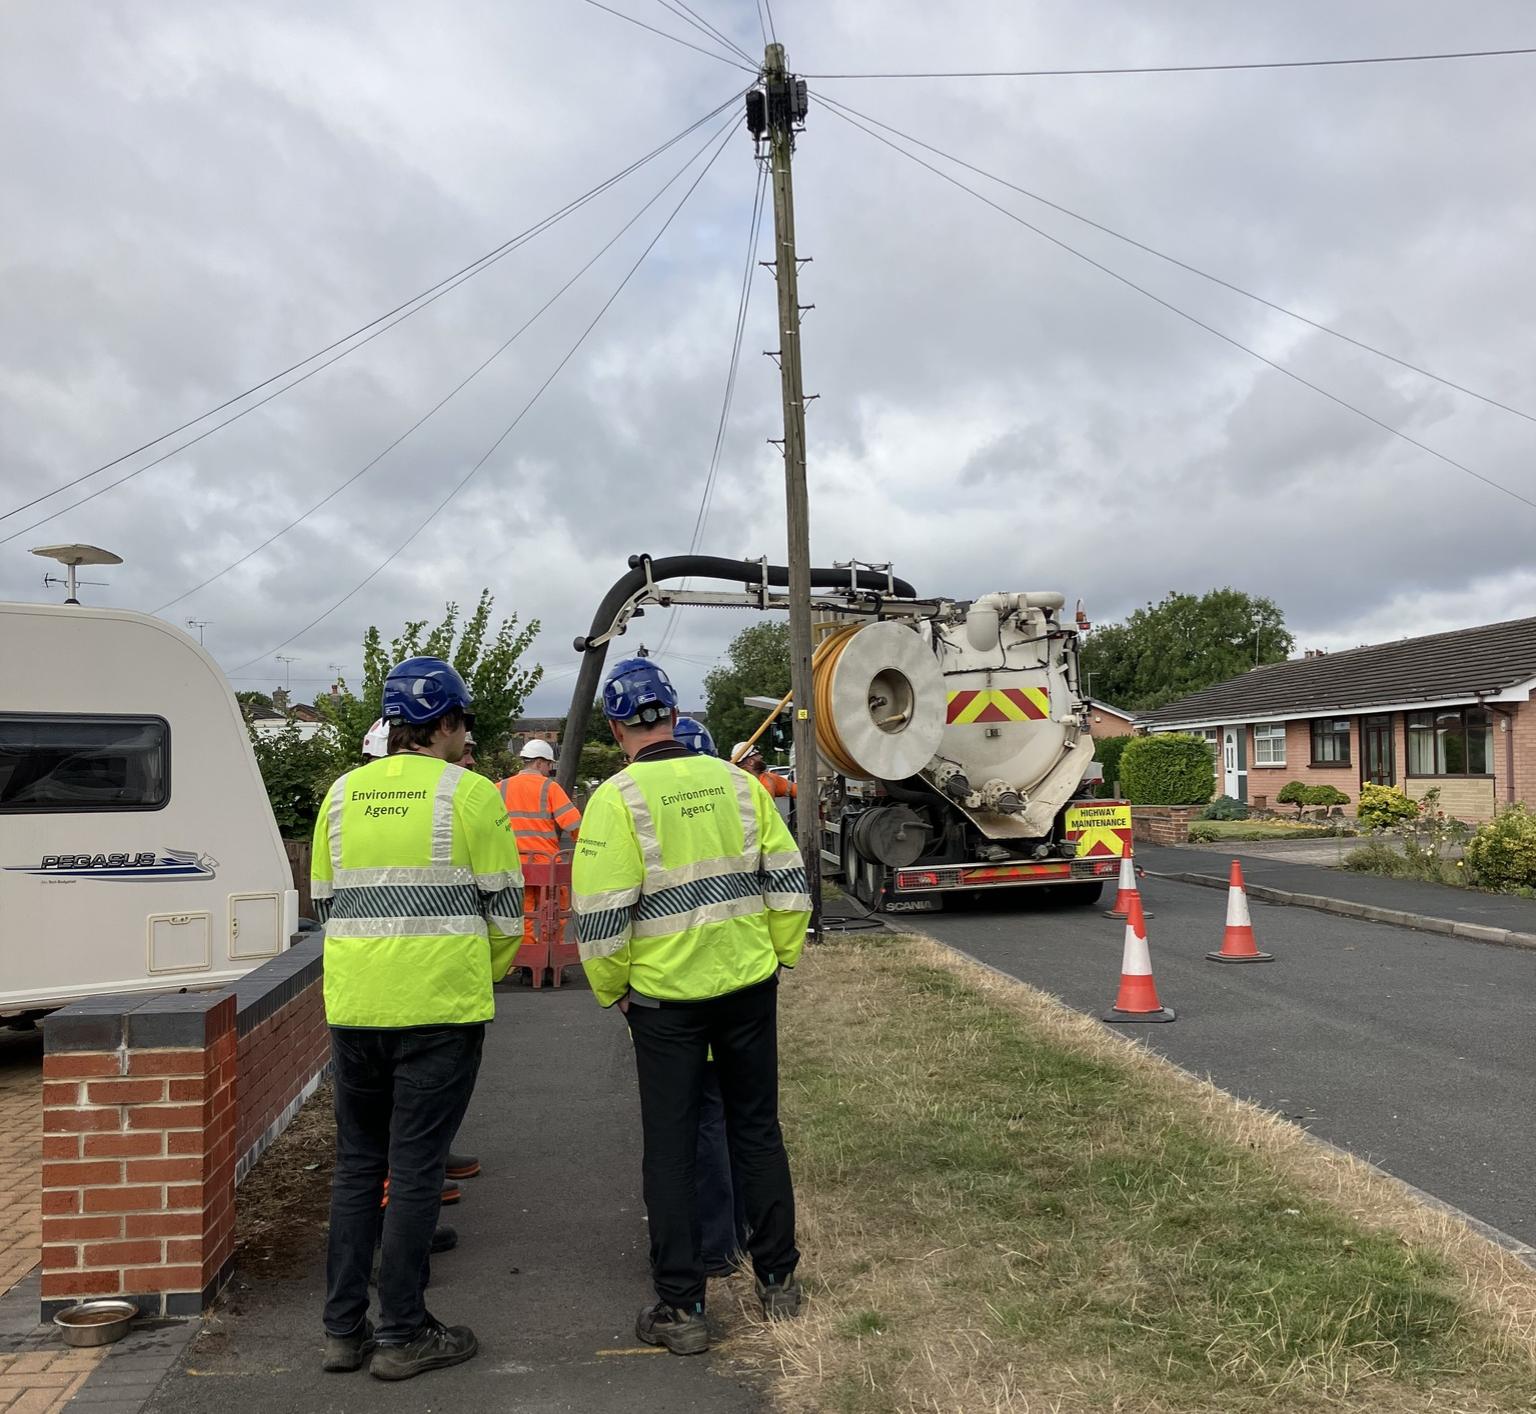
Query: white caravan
{"points": [[138, 850]]}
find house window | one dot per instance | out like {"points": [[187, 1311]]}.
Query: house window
{"points": [[51, 764], [1269, 744], [1330, 741], [1453, 741]]}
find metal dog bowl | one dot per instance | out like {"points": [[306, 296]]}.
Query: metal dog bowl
{"points": [[96, 1322]]}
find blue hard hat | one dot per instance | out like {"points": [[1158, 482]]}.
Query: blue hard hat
{"points": [[422, 690], [693, 734], [637, 691]]}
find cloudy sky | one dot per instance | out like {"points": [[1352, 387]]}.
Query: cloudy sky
{"points": [[199, 195]]}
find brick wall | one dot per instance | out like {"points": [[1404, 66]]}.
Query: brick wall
{"points": [[283, 1050], [153, 1109], [1269, 781], [139, 1152], [1162, 824]]}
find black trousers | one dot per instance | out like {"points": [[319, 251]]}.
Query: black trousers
{"points": [[722, 1218], [400, 1098], [671, 1046]]}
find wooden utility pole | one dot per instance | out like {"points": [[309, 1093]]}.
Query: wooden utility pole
{"points": [[785, 107]]}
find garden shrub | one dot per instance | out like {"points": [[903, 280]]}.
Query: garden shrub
{"points": [[1108, 753], [1502, 854], [1294, 793], [1224, 807], [1175, 769], [1382, 807], [1325, 796]]}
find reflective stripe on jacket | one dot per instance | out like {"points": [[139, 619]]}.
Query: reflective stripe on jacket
{"points": [[686, 883], [539, 809], [416, 877]]}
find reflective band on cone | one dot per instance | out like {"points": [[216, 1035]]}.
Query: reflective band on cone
{"points": [[1237, 942], [1138, 994], [1125, 891]]}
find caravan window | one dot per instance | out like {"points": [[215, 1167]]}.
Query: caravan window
{"points": [[57, 763]]}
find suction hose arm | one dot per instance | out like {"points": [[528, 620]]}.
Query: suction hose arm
{"points": [[645, 570]]}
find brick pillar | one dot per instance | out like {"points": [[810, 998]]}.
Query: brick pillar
{"points": [[139, 1151]]}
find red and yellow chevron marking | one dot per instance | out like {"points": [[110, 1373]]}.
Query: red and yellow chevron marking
{"points": [[1099, 841], [999, 704]]}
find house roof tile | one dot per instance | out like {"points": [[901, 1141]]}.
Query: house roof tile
{"points": [[1440, 667]]}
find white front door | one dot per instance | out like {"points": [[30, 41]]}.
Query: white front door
{"points": [[1229, 774]]}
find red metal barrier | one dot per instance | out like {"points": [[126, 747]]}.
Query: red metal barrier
{"points": [[548, 944]]}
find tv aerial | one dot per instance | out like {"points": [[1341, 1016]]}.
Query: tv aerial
{"points": [[72, 557]]}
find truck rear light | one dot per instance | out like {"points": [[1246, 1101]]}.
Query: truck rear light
{"points": [[917, 879]]}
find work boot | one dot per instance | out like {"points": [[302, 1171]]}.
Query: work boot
{"points": [[682, 1332], [346, 1353], [463, 1166], [780, 1300], [434, 1347]]}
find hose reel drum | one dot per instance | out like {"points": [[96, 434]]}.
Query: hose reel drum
{"points": [[880, 702]]}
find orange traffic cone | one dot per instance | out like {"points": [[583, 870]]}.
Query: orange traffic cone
{"points": [[1237, 943], [1125, 891], [1138, 994]]}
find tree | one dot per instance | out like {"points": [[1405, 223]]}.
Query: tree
{"points": [[297, 769], [489, 665], [757, 666], [1185, 643]]}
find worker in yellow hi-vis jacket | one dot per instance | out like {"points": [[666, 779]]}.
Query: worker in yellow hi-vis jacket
{"points": [[416, 877], [690, 896]]}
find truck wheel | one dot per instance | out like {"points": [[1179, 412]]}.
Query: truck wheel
{"points": [[867, 880], [1082, 895]]}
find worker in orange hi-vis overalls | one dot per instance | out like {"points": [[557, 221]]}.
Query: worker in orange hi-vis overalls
{"points": [[539, 810]]}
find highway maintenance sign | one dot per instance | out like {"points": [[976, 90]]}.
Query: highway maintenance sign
{"points": [[1102, 830]]}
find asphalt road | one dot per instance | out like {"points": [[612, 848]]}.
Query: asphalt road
{"points": [[1411, 1050], [550, 1270]]}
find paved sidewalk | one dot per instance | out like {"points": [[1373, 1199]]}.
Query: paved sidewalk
{"points": [[1407, 899], [21, 1155], [550, 1268]]}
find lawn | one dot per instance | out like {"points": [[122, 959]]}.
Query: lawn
{"points": [[1218, 830], [1004, 1207]]}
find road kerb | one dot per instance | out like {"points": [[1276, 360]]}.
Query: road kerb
{"points": [[1370, 913]]}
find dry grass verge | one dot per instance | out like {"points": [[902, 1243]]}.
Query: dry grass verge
{"points": [[1006, 1208]]}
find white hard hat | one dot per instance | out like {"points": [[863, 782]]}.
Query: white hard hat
{"points": [[537, 750], [742, 750], [376, 740]]}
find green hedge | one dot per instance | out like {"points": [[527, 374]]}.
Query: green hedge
{"points": [[1168, 770], [1108, 753]]}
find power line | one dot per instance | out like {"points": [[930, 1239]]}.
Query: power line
{"points": [[1185, 68], [1184, 314], [1185, 265], [453, 393], [742, 301], [691, 16], [398, 315], [723, 135], [762, 24], [687, 44], [773, 34]]}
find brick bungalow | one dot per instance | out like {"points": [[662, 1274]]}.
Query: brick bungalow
{"points": [[1109, 721], [1452, 710]]}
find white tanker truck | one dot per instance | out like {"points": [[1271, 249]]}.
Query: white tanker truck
{"points": [[963, 757], [953, 736]]}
